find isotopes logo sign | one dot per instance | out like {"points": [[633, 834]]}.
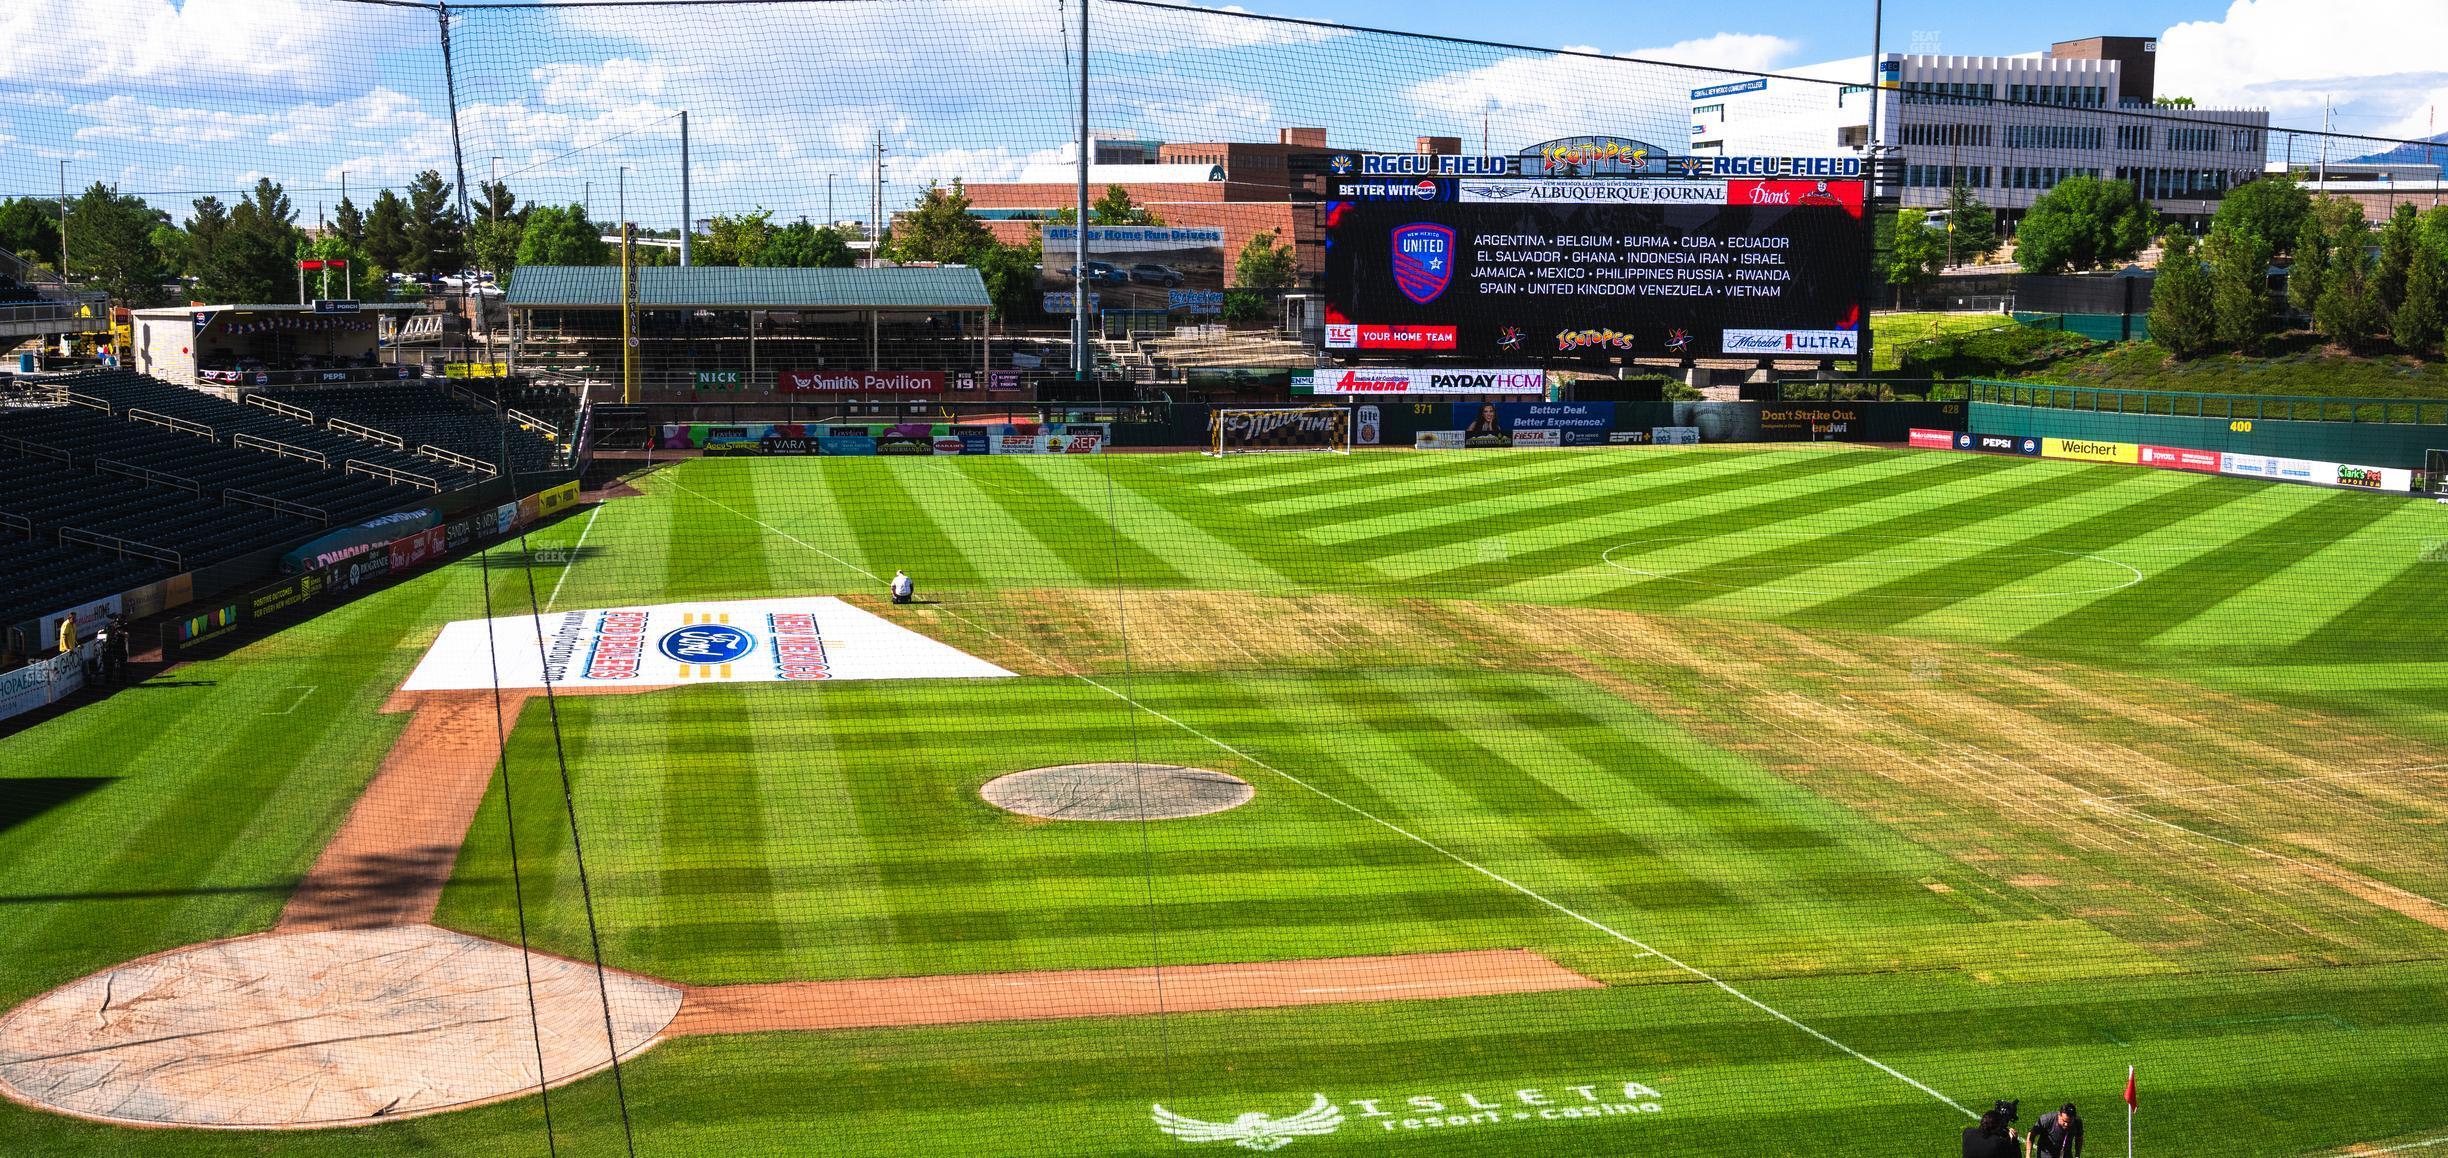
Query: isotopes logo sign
{"points": [[1531, 1106]]}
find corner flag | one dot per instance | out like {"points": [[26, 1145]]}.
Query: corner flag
{"points": [[2130, 1105]]}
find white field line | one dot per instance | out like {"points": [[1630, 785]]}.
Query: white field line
{"points": [[569, 564], [1647, 950], [2241, 784], [2442, 1140], [2315, 866], [770, 527]]}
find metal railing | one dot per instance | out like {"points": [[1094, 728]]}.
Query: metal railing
{"points": [[390, 474], [2186, 404], [89, 401], [173, 422], [283, 506], [368, 433], [454, 458], [148, 474], [281, 408], [122, 547], [525, 419], [37, 450], [18, 523], [283, 449]]}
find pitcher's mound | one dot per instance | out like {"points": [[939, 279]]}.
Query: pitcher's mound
{"points": [[339, 1028], [1117, 792]]}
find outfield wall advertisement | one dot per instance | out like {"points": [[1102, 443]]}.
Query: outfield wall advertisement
{"points": [[2317, 472], [807, 639], [892, 440], [1595, 268]]}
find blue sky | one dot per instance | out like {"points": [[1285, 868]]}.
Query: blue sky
{"points": [[170, 97], [1825, 29]]}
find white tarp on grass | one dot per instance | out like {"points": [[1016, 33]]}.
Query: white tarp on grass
{"points": [[733, 641]]}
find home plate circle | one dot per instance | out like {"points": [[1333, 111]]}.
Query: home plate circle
{"points": [[339, 1028], [1117, 791]]}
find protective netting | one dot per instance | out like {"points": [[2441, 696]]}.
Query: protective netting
{"points": [[756, 744]]}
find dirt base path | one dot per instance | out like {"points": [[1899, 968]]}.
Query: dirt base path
{"points": [[958, 999]]}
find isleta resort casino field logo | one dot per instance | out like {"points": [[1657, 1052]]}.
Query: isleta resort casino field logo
{"points": [[1533, 1105]]}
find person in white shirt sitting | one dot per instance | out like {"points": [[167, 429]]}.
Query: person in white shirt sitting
{"points": [[903, 587]]}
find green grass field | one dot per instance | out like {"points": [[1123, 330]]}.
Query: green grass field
{"points": [[1865, 781]]}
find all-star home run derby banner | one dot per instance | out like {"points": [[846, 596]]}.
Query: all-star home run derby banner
{"points": [[738, 641]]}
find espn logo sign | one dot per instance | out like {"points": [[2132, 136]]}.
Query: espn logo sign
{"points": [[1793, 343]]}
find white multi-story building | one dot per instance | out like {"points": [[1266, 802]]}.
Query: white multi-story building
{"points": [[2007, 127]]}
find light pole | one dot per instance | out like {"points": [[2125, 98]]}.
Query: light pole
{"points": [[63, 186]]}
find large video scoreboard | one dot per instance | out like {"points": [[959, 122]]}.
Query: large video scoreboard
{"points": [[1571, 269]]}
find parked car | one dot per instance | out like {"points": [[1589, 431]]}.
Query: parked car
{"points": [[1152, 274]]}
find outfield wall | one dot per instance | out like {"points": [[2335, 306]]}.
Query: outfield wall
{"points": [[2390, 444]]}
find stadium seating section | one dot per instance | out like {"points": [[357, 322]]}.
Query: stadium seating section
{"points": [[157, 469]]}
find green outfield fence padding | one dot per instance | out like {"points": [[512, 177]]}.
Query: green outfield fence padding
{"points": [[2243, 424], [2097, 327]]}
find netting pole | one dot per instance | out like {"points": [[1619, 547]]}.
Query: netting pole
{"points": [[1083, 363], [450, 83]]}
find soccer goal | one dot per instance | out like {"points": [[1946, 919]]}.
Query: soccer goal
{"points": [[1326, 428]]}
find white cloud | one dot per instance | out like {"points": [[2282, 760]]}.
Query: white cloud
{"points": [[198, 43], [127, 119], [2379, 61], [1533, 98]]}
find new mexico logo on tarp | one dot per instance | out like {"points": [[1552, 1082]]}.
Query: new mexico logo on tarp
{"points": [[738, 641]]}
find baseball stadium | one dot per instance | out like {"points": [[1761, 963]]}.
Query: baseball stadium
{"points": [[538, 719]]}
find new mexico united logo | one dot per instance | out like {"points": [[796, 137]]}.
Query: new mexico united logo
{"points": [[1255, 1130], [1423, 260], [704, 643]]}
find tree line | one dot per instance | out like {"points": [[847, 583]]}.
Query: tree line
{"points": [[247, 251], [2366, 289]]}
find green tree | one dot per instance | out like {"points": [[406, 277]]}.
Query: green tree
{"points": [[557, 235], [2270, 211], [1971, 226], [800, 245], [1264, 265], [2083, 223], [437, 236], [737, 239], [2400, 240], [386, 238], [2349, 312], [2308, 267], [940, 229], [2181, 315], [1915, 252], [494, 202], [176, 249], [1011, 276], [2239, 288], [253, 257], [2416, 327], [1115, 207], [493, 243], [349, 223], [110, 243], [204, 233], [29, 228], [1244, 307]]}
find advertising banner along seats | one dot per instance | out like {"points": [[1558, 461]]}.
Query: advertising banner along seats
{"points": [[732, 641]]}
